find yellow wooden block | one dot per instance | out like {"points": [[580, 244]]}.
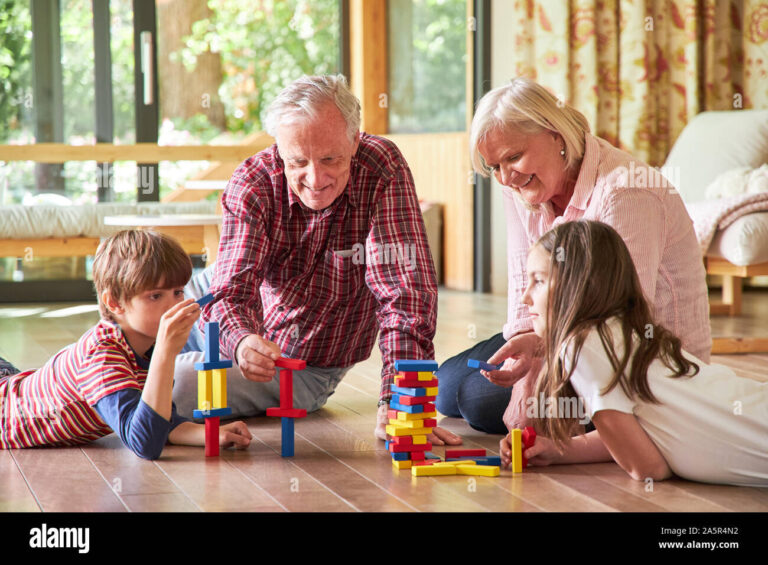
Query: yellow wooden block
{"points": [[432, 391], [407, 423], [405, 416], [401, 464], [425, 376], [204, 390], [456, 463], [433, 470], [516, 437], [219, 388], [478, 470], [419, 440], [401, 431]]}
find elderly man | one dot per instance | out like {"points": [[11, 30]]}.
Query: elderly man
{"points": [[322, 247]]}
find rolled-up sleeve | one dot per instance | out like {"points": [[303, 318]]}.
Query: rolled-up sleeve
{"points": [[401, 275]]}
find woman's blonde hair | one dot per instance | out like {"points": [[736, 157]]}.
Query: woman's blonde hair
{"points": [[525, 106], [593, 280], [132, 261]]}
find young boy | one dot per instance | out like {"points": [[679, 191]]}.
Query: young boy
{"points": [[119, 375]]}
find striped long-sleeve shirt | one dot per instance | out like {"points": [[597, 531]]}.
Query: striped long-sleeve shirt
{"points": [[81, 394], [648, 213], [322, 283]]}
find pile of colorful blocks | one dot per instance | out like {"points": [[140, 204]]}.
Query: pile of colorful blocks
{"points": [[412, 413]]}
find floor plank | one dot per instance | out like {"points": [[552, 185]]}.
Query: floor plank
{"points": [[63, 479], [15, 495]]}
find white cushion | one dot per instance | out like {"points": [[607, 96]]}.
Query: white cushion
{"points": [[713, 143], [744, 242], [34, 222]]}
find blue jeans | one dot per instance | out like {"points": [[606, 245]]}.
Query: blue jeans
{"points": [[465, 393], [7, 368]]}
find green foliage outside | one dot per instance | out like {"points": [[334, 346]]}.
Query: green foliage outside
{"points": [[263, 50]]}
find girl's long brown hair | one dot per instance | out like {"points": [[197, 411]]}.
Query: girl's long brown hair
{"points": [[592, 280]]}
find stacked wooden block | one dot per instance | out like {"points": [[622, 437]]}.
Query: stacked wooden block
{"points": [[411, 413], [212, 389], [286, 412]]}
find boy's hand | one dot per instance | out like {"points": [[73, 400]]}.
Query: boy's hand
{"points": [[235, 434], [175, 326]]}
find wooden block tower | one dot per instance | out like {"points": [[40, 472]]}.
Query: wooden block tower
{"points": [[212, 389], [411, 412], [286, 411]]}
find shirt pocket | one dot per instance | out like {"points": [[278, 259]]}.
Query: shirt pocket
{"points": [[342, 274]]}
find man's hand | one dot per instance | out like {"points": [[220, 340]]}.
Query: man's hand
{"points": [[256, 358], [518, 355], [175, 325], [439, 436]]}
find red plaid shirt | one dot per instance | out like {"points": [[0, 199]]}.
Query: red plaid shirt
{"points": [[321, 284]]}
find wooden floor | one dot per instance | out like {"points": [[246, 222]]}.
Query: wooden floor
{"points": [[338, 465]]}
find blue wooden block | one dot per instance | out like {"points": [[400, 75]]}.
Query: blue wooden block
{"points": [[475, 364], [402, 456], [386, 444], [286, 449], [491, 460], [415, 409], [205, 366], [430, 455], [407, 391], [203, 300], [415, 366], [213, 412], [211, 342]]}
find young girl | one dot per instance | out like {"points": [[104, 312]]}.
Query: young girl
{"points": [[658, 411], [119, 375]]}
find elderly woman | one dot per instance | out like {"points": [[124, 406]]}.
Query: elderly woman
{"points": [[552, 171]]}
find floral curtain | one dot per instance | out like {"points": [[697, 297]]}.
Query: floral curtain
{"points": [[641, 69]]}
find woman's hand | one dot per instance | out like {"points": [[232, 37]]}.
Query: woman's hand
{"points": [[518, 355]]}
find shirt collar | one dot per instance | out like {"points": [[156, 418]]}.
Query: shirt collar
{"points": [[585, 183]]}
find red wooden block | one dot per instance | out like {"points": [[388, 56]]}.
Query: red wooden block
{"points": [[425, 462], [429, 408], [392, 414], [287, 412], [402, 440], [286, 389], [292, 364], [457, 453], [395, 448], [430, 422], [418, 456], [414, 400], [412, 383], [529, 438], [212, 437]]}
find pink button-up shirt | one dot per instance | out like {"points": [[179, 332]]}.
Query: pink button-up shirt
{"points": [[648, 213]]}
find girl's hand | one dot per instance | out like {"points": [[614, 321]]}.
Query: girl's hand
{"points": [[175, 326], [505, 451], [543, 452], [235, 434]]}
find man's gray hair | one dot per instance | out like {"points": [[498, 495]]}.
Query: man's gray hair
{"points": [[303, 97], [526, 107]]}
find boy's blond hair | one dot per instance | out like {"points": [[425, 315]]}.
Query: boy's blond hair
{"points": [[133, 261]]}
